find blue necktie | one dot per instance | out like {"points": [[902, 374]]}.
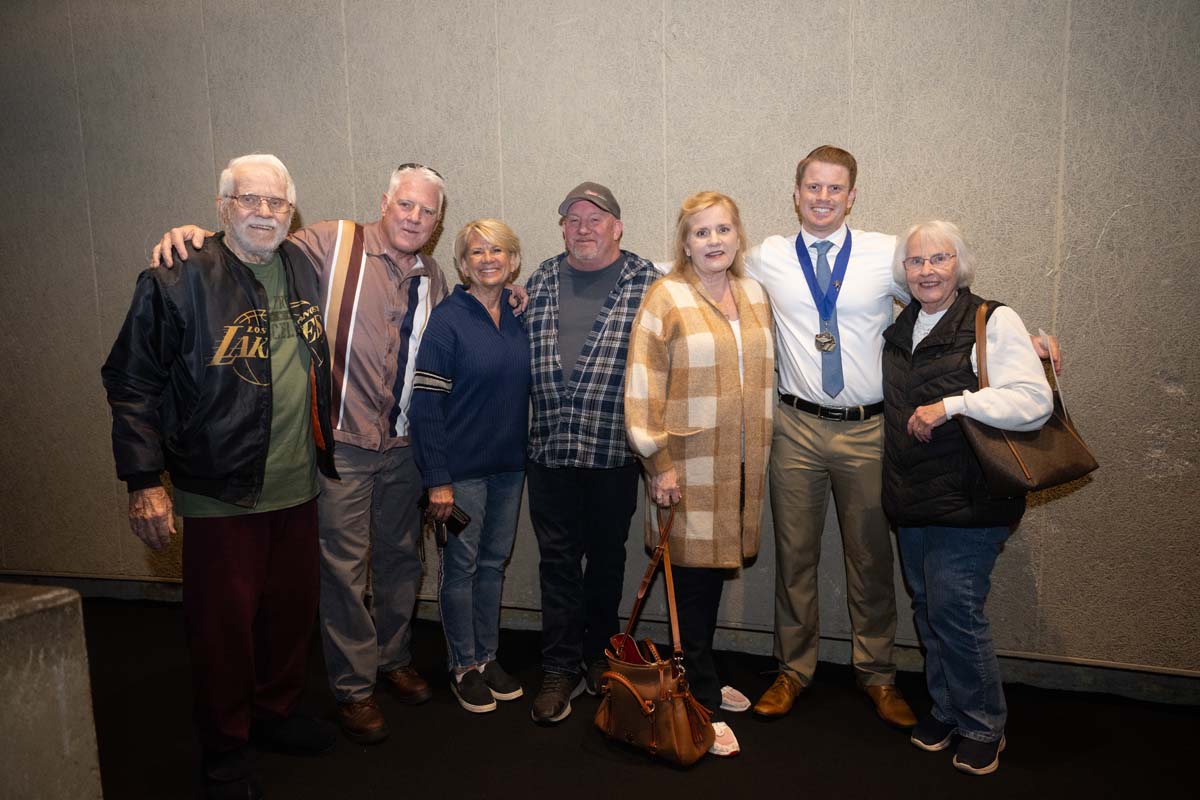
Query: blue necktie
{"points": [[831, 361]]}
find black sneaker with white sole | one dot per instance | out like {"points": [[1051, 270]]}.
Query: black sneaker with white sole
{"points": [[553, 701], [932, 734], [502, 685], [473, 693], [979, 758]]}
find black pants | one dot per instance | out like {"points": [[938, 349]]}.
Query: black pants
{"points": [[697, 599], [577, 514]]}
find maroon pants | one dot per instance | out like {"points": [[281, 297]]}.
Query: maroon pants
{"points": [[250, 591]]}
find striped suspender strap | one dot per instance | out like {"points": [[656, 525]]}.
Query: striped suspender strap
{"points": [[341, 304]]}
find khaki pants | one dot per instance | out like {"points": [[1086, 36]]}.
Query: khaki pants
{"points": [[808, 457]]}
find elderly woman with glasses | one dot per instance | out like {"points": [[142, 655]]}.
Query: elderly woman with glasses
{"points": [[950, 529], [469, 414], [699, 393]]}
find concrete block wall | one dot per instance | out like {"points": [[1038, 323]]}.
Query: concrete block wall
{"points": [[46, 726]]}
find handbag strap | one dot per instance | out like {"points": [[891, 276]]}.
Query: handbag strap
{"points": [[981, 344], [661, 554]]}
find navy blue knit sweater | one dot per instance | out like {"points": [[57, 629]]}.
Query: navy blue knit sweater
{"points": [[470, 401]]}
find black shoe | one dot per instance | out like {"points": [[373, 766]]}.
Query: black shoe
{"points": [[502, 685], [230, 776], [296, 735], [553, 701], [979, 758], [594, 672], [472, 692], [932, 734]]}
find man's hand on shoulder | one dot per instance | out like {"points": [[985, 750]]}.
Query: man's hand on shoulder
{"points": [[152, 516], [519, 299], [176, 239]]}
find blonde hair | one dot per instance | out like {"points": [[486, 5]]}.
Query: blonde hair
{"points": [[694, 205], [492, 231]]}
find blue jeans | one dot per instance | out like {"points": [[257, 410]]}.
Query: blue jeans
{"points": [[472, 567], [949, 571]]}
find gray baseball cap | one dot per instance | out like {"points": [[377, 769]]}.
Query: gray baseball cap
{"points": [[594, 193]]}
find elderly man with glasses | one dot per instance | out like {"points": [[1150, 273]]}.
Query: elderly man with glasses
{"points": [[220, 376], [378, 290]]}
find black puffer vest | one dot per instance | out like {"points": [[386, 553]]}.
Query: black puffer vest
{"points": [[939, 482]]}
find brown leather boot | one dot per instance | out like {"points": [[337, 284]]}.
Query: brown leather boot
{"points": [[410, 688], [363, 722], [778, 700], [891, 706]]}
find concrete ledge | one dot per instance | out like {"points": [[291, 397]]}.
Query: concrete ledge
{"points": [[47, 733]]}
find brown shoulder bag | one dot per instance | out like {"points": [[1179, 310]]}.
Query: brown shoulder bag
{"points": [[645, 700], [1018, 462]]}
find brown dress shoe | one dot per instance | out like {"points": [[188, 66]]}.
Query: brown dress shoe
{"points": [[410, 688], [363, 722], [891, 706], [778, 700]]}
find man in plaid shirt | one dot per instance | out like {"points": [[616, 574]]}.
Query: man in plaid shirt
{"points": [[582, 475]]}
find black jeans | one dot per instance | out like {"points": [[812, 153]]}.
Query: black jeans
{"points": [[578, 513], [697, 599]]}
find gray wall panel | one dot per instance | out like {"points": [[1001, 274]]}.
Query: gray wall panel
{"points": [[277, 83], [60, 489]]}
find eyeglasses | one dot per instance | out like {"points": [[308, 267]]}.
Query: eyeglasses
{"points": [[936, 260], [415, 165], [252, 202]]}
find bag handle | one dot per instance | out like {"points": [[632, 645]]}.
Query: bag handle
{"points": [[661, 553], [981, 343]]}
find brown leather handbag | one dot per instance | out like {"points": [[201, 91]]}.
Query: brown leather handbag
{"points": [[1017, 462], [645, 699]]}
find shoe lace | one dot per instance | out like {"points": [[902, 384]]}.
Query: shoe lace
{"points": [[558, 682]]}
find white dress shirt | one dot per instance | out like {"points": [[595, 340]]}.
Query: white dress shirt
{"points": [[864, 311]]}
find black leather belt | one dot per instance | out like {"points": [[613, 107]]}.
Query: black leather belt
{"points": [[850, 414]]}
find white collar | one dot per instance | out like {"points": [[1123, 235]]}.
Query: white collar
{"points": [[838, 237]]}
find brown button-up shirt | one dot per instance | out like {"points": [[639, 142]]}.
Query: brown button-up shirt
{"points": [[387, 312]]}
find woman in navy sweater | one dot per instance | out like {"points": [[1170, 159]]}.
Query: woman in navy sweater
{"points": [[469, 411]]}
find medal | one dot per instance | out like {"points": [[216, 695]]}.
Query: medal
{"points": [[825, 342]]}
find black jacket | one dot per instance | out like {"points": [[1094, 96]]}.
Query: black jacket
{"points": [[189, 377], [938, 482]]}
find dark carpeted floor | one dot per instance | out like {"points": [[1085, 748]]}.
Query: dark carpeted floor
{"points": [[831, 745]]}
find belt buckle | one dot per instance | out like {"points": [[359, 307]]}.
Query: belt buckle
{"points": [[834, 414]]}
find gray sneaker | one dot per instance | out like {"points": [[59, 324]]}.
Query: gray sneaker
{"points": [[502, 685], [473, 693], [553, 701]]}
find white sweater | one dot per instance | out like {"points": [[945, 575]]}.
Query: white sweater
{"points": [[1018, 397]]}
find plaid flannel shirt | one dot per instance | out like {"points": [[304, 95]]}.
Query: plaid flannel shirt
{"points": [[582, 423]]}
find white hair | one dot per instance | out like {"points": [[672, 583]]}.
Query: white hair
{"points": [[937, 230], [228, 185], [424, 173]]}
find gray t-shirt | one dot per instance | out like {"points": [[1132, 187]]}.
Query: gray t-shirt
{"points": [[581, 294]]}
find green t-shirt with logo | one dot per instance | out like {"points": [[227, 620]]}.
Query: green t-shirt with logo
{"points": [[291, 472]]}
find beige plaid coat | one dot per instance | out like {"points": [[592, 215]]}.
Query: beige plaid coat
{"points": [[685, 407]]}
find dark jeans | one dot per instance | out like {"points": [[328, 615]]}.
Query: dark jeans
{"points": [[577, 514], [697, 598], [250, 589], [950, 573]]}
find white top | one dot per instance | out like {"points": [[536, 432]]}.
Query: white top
{"points": [[1018, 397], [864, 311], [736, 325]]}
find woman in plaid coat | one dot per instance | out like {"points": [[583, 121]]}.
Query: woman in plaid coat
{"points": [[699, 393]]}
